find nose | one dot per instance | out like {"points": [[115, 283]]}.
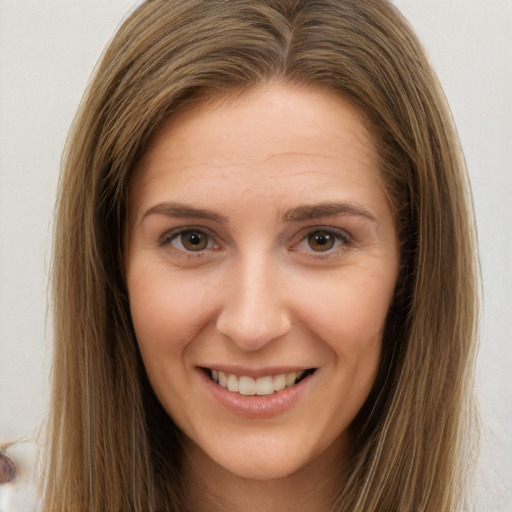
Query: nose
{"points": [[255, 310]]}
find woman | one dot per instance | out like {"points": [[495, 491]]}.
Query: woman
{"points": [[264, 273]]}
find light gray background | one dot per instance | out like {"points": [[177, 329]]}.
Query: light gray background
{"points": [[47, 51]]}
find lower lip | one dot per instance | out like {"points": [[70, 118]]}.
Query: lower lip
{"points": [[258, 407]]}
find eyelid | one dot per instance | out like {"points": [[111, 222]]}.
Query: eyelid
{"points": [[343, 237], [170, 235], [344, 240]]}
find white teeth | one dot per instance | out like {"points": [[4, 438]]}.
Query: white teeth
{"points": [[248, 386], [280, 382], [290, 378], [264, 385], [233, 383]]}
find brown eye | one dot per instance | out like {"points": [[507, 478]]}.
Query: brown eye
{"points": [[321, 241], [193, 240]]}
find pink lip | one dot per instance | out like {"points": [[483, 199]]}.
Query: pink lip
{"points": [[257, 407]]}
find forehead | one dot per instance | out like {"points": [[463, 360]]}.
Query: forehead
{"points": [[274, 134]]}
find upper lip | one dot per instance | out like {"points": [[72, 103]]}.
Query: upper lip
{"points": [[255, 372]]}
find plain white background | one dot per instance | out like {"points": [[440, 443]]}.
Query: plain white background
{"points": [[48, 49]]}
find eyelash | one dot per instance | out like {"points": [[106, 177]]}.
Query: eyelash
{"points": [[341, 238], [170, 236]]}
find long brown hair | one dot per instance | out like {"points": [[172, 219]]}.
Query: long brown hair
{"points": [[110, 445]]}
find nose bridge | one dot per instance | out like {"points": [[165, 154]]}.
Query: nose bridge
{"points": [[255, 307]]}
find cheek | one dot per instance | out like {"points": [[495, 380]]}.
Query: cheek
{"points": [[168, 311], [161, 312], [350, 309], [165, 317]]}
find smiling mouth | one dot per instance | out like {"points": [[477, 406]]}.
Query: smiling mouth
{"points": [[261, 386]]}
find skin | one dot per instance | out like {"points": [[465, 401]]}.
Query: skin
{"points": [[258, 291]]}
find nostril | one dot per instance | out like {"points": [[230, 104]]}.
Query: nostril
{"points": [[252, 329]]}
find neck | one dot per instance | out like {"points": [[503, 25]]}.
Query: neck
{"points": [[210, 487]]}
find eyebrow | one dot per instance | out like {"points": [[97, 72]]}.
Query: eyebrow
{"points": [[327, 209], [185, 212], [297, 214]]}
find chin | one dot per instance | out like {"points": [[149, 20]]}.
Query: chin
{"points": [[264, 457], [264, 469]]}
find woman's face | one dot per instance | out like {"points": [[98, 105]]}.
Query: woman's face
{"points": [[261, 260]]}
